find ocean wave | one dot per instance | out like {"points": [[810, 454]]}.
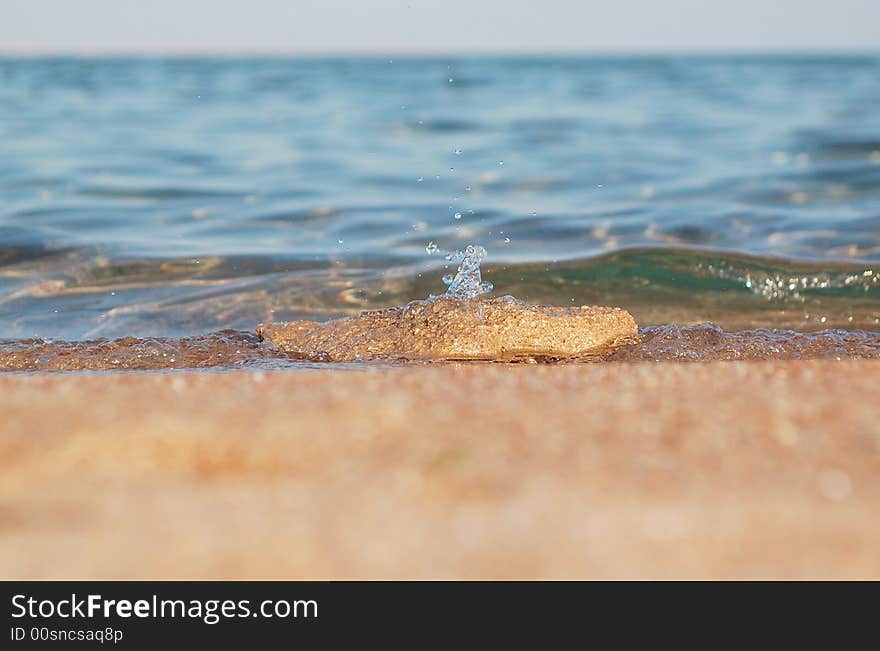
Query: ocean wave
{"points": [[103, 296]]}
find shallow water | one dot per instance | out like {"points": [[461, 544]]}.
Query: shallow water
{"points": [[232, 349], [170, 198]]}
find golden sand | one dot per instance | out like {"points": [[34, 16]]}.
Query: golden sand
{"points": [[745, 470], [450, 329]]}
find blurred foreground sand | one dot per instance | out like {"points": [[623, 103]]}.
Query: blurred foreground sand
{"points": [[737, 469]]}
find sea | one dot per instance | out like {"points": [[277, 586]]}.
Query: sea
{"points": [[156, 209]]}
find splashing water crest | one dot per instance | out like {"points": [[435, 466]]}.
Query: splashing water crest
{"points": [[467, 282]]}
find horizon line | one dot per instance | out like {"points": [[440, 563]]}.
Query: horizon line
{"points": [[175, 52]]}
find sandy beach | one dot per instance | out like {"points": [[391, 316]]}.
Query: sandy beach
{"points": [[620, 470]]}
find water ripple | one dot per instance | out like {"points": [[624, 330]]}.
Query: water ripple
{"points": [[171, 197]]}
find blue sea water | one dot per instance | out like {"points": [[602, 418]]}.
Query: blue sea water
{"points": [[178, 196]]}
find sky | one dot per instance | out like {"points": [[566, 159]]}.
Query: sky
{"points": [[434, 26]]}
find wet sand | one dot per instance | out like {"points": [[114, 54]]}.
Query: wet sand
{"points": [[615, 470]]}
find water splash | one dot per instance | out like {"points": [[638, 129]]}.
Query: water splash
{"points": [[786, 285], [467, 282]]}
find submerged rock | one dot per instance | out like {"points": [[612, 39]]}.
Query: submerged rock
{"points": [[446, 328]]}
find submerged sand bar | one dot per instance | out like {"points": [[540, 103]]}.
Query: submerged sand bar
{"points": [[498, 329], [722, 469]]}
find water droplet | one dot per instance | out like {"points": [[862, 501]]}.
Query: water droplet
{"points": [[467, 188], [457, 152], [420, 179], [432, 248], [501, 162], [467, 282], [339, 241], [457, 215], [507, 240], [451, 80]]}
